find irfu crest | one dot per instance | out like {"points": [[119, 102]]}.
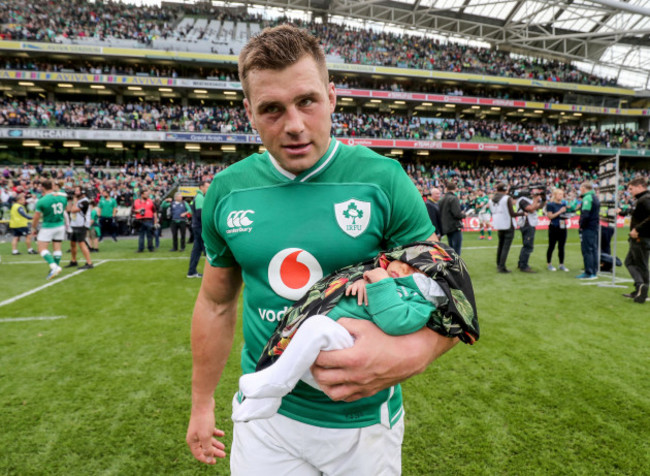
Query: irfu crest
{"points": [[352, 216]]}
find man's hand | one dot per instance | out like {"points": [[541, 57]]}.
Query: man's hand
{"points": [[358, 288], [376, 361], [634, 234], [202, 436]]}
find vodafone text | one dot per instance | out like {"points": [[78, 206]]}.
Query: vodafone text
{"points": [[272, 315]]}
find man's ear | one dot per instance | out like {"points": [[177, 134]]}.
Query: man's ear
{"points": [[249, 113], [331, 94]]}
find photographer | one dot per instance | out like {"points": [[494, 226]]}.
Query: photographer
{"points": [[557, 229], [451, 218], [531, 199], [146, 218], [636, 260], [503, 215], [79, 210]]}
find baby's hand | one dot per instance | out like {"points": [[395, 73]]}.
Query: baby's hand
{"points": [[375, 275], [358, 288]]}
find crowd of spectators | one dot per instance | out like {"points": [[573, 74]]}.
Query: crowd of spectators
{"points": [[396, 126], [141, 116], [472, 180], [341, 81], [147, 116], [124, 182], [53, 21], [116, 68]]}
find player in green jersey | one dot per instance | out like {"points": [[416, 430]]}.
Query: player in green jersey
{"points": [[49, 210], [482, 207], [279, 221]]}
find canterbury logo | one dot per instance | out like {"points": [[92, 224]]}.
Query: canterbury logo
{"points": [[239, 218]]}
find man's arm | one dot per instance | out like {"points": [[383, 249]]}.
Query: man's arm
{"points": [[213, 329], [35, 221], [377, 360]]}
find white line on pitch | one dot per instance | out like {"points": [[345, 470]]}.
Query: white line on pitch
{"points": [[51, 283], [112, 259], [23, 319]]}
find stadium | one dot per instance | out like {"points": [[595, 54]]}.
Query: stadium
{"points": [[141, 101]]}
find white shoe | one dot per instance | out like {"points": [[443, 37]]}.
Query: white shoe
{"points": [[550, 267], [54, 272], [563, 268]]}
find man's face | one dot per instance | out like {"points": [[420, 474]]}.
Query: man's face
{"points": [[291, 110], [77, 192], [635, 189], [435, 194]]}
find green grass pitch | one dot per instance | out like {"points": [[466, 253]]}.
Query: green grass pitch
{"points": [[558, 384]]}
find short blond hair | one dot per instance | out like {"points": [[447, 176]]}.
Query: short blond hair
{"points": [[277, 48]]}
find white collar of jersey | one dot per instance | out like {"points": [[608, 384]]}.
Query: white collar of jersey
{"points": [[325, 160]]}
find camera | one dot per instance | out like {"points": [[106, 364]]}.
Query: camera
{"points": [[533, 189]]}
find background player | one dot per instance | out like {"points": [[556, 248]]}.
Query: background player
{"points": [[50, 208]]}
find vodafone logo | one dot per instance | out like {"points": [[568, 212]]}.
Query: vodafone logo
{"points": [[292, 272]]}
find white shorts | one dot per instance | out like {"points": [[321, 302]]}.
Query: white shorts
{"points": [[51, 234], [484, 217], [280, 445]]}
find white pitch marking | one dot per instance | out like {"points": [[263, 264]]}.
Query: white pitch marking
{"points": [[112, 259], [23, 319], [40, 288]]}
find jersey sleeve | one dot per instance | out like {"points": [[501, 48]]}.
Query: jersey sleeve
{"points": [[409, 220], [392, 314], [217, 251]]}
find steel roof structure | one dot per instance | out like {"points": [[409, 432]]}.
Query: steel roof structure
{"points": [[606, 37]]}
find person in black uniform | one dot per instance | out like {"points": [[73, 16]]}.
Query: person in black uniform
{"points": [[636, 260]]}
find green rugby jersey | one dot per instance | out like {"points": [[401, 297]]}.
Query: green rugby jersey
{"points": [[483, 204], [107, 206], [52, 207], [286, 232]]}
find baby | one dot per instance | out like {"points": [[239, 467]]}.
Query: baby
{"points": [[397, 297]]}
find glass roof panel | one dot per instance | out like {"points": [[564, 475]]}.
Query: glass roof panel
{"points": [[530, 9], [494, 9], [448, 4]]}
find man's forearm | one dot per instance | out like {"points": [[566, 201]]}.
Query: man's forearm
{"points": [[426, 346], [213, 329]]}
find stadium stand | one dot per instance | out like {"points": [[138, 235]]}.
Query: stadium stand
{"points": [[424, 103]]}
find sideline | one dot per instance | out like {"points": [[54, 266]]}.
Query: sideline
{"points": [[110, 259], [23, 319], [51, 283]]}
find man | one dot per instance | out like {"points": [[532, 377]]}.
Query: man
{"points": [[79, 212], [527, 225], [451, 217], [273, 221], [588, 229], [50, 207], [197, 247], [636, 260], [482, 206], [503, 215], [19, 225], [178, 211], [146, 218], [107, 211], [433, 210]]}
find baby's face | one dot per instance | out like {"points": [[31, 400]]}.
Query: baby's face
{"points": [[399, 269]]}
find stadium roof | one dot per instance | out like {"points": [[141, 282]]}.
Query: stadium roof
{"points": [[609, 38]]}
